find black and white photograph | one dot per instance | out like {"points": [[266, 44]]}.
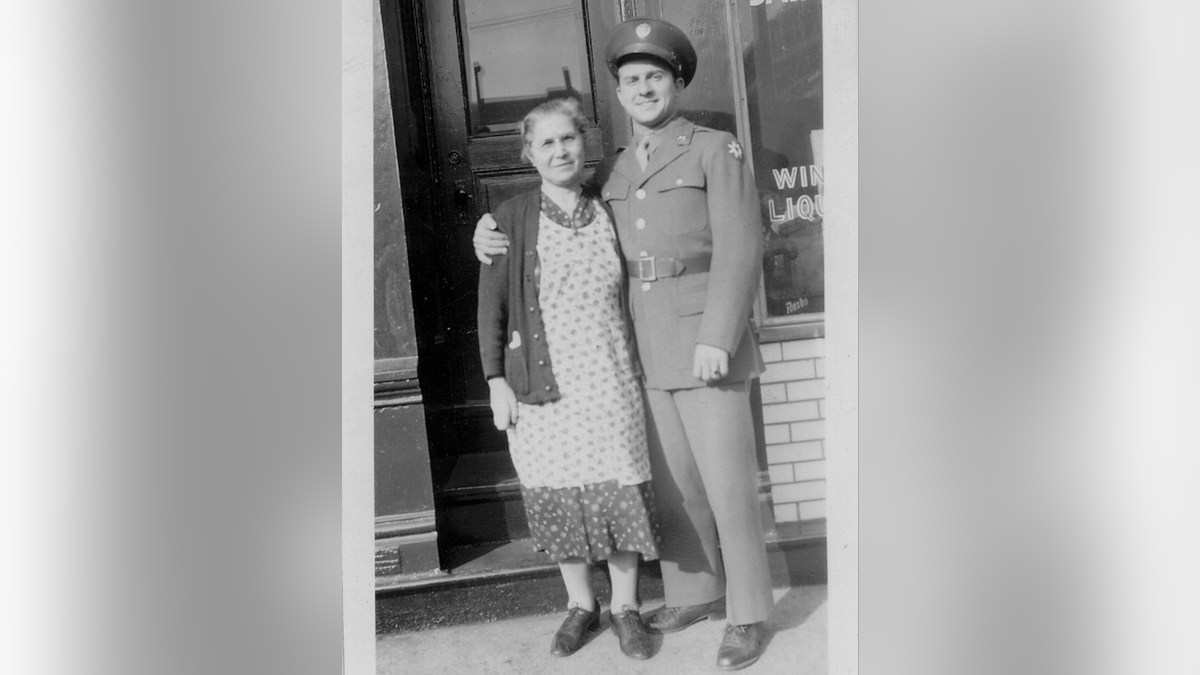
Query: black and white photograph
{"points": [[602, 420]]}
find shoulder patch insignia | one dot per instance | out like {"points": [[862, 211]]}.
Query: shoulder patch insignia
{"points": [[735, 149]]}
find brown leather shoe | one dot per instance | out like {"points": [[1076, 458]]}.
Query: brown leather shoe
{"points": [[635, 641], [575, 627], [739, 647], [671, 619]]}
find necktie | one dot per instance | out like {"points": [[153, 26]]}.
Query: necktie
{"points": [[643, 151]]}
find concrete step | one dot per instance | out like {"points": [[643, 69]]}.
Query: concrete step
{"points": [[496, 581]]}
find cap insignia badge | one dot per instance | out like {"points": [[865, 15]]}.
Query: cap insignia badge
{"points": [[643, 30], [735, 149]]}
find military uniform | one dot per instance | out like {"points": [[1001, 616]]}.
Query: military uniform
{"points": [[689, 226]]}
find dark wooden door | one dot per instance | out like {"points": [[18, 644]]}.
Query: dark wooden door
{"points": [[489, 62]]}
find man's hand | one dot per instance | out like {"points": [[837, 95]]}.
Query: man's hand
{"points": [[504, 403], [710, 363], [488, 242]]}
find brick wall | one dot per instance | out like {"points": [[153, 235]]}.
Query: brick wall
{"points": [[793, 397]]}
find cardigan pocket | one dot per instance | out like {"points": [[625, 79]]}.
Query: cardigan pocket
{"points": [[516, 370]]}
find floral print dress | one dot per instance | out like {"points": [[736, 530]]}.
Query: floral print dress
{"points": [[582, 459]]}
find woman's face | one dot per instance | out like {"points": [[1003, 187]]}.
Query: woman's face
{"points": [[556, 150]]}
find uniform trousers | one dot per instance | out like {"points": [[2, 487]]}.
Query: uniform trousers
{"points": [[705, 479]]}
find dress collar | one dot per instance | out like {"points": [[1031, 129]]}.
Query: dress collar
{"points": [[585, 212]]}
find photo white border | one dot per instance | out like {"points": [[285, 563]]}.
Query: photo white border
{"points": [[840, 80], [358, 166]]}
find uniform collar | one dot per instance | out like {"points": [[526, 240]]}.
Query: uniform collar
{"points": [[678, 131], [674, 139]]}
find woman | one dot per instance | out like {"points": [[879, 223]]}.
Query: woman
{"points": [[559, 358]]}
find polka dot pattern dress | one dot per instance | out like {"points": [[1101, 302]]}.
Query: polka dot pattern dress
{"points": [[582, 460]]}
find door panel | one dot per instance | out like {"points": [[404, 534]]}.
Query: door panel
{"points": [[503, 152], [490, 61]]}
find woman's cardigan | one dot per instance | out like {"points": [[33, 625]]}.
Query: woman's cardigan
{"points": [[512, 339]]}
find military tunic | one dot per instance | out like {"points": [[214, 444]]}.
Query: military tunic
{"points": [[695, 206]]}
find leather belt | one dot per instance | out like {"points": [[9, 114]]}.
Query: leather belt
{"points": [[652, 268]]}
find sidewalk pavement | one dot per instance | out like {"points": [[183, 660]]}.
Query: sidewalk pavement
{"points": [[795, 639]]}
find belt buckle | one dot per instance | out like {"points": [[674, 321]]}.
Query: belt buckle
{"points": [[642, 269]]}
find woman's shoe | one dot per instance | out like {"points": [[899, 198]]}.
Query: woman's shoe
{"points": [[578, 624], [635, 641]]}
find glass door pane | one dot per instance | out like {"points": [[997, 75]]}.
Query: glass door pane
{"points": [[519, 53]]}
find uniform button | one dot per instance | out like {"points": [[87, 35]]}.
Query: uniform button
{"points": [[532, 309], [541, 362], [679, 181], [535, 336], [645, 285], [547, 387], [641, 194], [641, 223], [528, 253]]}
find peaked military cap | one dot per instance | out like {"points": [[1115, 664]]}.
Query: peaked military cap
{"points": [[651, 37]]}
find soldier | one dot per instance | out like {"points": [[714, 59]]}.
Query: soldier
{"points": [[687, 218]]}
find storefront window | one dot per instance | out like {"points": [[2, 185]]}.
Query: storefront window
{"points": [[781, 48]]}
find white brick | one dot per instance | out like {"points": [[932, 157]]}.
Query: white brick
{"points": [[786, 371], [814, 470], [774, 393], [810, 510], [794, 452], [805, 390], [786, 513], [808, 431], [798, 492], [789, 412], [803, 349], [811, 411], [777, 433], [780, 473], [771, 351], [820, 365], [821, 408]]}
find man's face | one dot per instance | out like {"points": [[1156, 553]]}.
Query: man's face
{"points": [[649, 91]]}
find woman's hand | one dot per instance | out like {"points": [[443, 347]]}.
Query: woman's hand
{"points": [[504, 403]]}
